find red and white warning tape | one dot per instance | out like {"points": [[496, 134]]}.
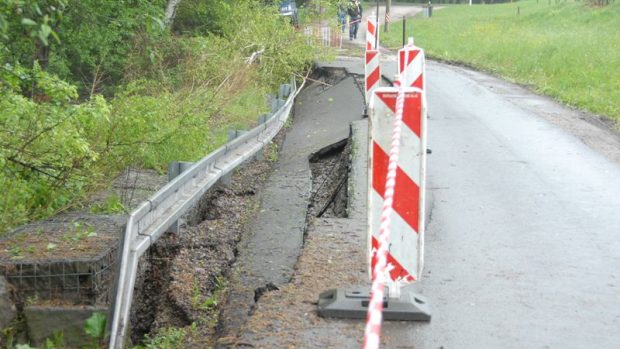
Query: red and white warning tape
{"points": [[355, 21], [372, 334]]}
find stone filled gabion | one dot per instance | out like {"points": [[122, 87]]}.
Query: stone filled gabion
{"points": [[82, 272]]}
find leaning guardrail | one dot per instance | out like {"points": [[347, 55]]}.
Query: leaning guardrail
{"points": [[154, 216]]}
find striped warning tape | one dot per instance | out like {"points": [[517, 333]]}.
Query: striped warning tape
{"points": [[372, 332]]}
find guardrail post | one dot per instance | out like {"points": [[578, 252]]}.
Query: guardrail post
{"points": [[261, 153], [175, 168], [285, 91], [226, 180]]}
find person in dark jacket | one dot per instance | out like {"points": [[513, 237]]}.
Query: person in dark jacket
{"points": [[355, 17]]}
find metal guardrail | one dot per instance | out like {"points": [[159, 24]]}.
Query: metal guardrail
{"points": [[154, 216]]}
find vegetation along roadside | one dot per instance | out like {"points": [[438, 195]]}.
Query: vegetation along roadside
{"points": [[568, 50], [88, 88]]}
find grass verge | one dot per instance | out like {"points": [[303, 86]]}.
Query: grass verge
{"points": [[569, 50]]}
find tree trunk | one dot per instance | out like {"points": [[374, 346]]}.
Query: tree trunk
{"points": [[171, 10], [41, 53]]}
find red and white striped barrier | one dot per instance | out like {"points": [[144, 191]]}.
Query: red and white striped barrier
{"points": [[397, 181], [372, 33], [415, 65], [396, 195], [373, 73], [406, 248]]}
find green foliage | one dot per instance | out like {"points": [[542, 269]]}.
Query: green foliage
{"points": [[79, 232], [117, 89], [36, 19], [45, 148], [272, 154], [92, 38], [169, 338], [566, 50], [111, 205], [56, 342], [210, 302], [98, 37], [23, 346], [94, 327], [248, 26]]}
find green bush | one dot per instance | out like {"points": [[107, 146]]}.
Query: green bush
{"points": [[106, 87]]}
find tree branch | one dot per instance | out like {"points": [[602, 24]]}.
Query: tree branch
{"points": [[34, 168]]}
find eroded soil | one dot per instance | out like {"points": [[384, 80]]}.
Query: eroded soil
{"points": [[185, 275]]}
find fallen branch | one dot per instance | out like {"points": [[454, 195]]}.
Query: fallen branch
{"points": [[254, 56], [34, 168], [313, 80]]}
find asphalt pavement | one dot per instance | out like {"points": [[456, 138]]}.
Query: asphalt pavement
{"points": [[522, 249], [267, 257], [522, 242]]}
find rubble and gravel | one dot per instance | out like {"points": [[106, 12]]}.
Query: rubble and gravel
{"points": [[334, 255], [184, 278], [330, 169]]}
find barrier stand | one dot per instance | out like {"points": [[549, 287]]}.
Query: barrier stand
{"points": [[404, 258]]}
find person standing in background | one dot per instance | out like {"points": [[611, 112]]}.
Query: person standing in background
{"points": [[355, 17], [342, 15]]}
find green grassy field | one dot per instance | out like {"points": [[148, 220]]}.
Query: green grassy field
{"points": [[569, 50]]}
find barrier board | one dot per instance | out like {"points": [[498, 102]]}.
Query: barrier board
{"points": [[405, 257]]}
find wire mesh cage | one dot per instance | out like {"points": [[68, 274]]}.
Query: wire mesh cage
{"points": [[68, 260]]}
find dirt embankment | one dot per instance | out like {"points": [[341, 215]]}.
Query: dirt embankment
{"points": [[184, 276]]}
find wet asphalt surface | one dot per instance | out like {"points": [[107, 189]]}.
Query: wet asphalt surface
{"points": [[522, 250], [322, 114], [522, 247], [522, 242]]}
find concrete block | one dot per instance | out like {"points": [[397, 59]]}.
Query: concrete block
{"points": [[43, 321], [7, 308], [358, 176]]}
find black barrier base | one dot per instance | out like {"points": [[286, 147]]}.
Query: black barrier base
{"points": [[352, 303]]}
